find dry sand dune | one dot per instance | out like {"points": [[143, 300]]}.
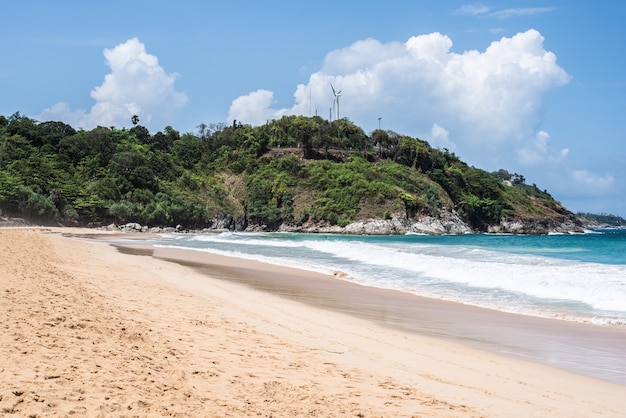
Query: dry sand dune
{"points": [[89, 331]]}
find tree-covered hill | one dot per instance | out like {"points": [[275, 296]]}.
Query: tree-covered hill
{"points": [[601, 220], [295, 173]]}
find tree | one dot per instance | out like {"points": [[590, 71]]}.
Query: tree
{"points": [[304, 132], [380, 139], [187, 150], [36, 206], [141, 133], [51, 133], [99, 142], [518, 178], [349, 136], [132, 169], [502, 174], [202, 131], [135, 119], [388, 143], [23, 126]]}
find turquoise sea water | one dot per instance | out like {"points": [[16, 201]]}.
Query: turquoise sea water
{"points": [[576, 277]]}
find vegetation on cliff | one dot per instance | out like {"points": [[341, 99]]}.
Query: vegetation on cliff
{"points": [[293, 171]]}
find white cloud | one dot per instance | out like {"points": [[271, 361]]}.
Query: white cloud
{"points": [[484, 11], [254, 108], [61, 111], [439, 138], [473, 9], [490, 102], [522, 11], [537, 151], [591, 184], [137, 84]]}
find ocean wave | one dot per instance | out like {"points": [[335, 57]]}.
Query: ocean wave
{"points": [[512, 276]]}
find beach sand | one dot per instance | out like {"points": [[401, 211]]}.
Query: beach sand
{"points": [[89, 330]]}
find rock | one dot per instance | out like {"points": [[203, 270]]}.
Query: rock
{"points": [[448, 223], [131, 227], [561, 224], [224, 223]]}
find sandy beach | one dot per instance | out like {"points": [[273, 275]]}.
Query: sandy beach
{"points": [[89, 330]]}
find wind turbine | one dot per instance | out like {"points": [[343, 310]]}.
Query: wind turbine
{"points": [[337, 94]]}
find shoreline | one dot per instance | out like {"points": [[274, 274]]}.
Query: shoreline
{"points": [[583, 348], [92, 331]]}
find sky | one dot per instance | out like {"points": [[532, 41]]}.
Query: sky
{"points": [[534, 87]]}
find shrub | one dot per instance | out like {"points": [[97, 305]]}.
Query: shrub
{"points": [[36, 206]]}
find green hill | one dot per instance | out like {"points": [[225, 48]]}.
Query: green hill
{"points": [[296, 173]]}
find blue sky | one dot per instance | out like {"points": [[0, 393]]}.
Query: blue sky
{"points": [[535, 87]]}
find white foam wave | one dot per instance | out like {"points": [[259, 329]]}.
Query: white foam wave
{"points": [[529, 284], [600, 286], [243, 239]]}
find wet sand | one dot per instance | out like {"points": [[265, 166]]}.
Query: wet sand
{"points": [[90, 331], [593, 350]]}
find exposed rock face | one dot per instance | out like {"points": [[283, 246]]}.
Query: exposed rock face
{"points": [[563, 224], [448, 222], [134, 227], [227, 223]]}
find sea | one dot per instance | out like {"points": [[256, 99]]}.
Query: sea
{"points": [[577, 277]]}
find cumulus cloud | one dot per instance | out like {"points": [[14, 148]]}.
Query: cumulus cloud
{"points": [[136, 85], [537, 151], [254, 108], [63, 112], [439, 137], [490, 102]]}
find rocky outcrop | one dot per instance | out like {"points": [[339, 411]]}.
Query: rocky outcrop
{"points": [[561, 224], [447, 223], [134, 227], [218, 224], [227, 223]]}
